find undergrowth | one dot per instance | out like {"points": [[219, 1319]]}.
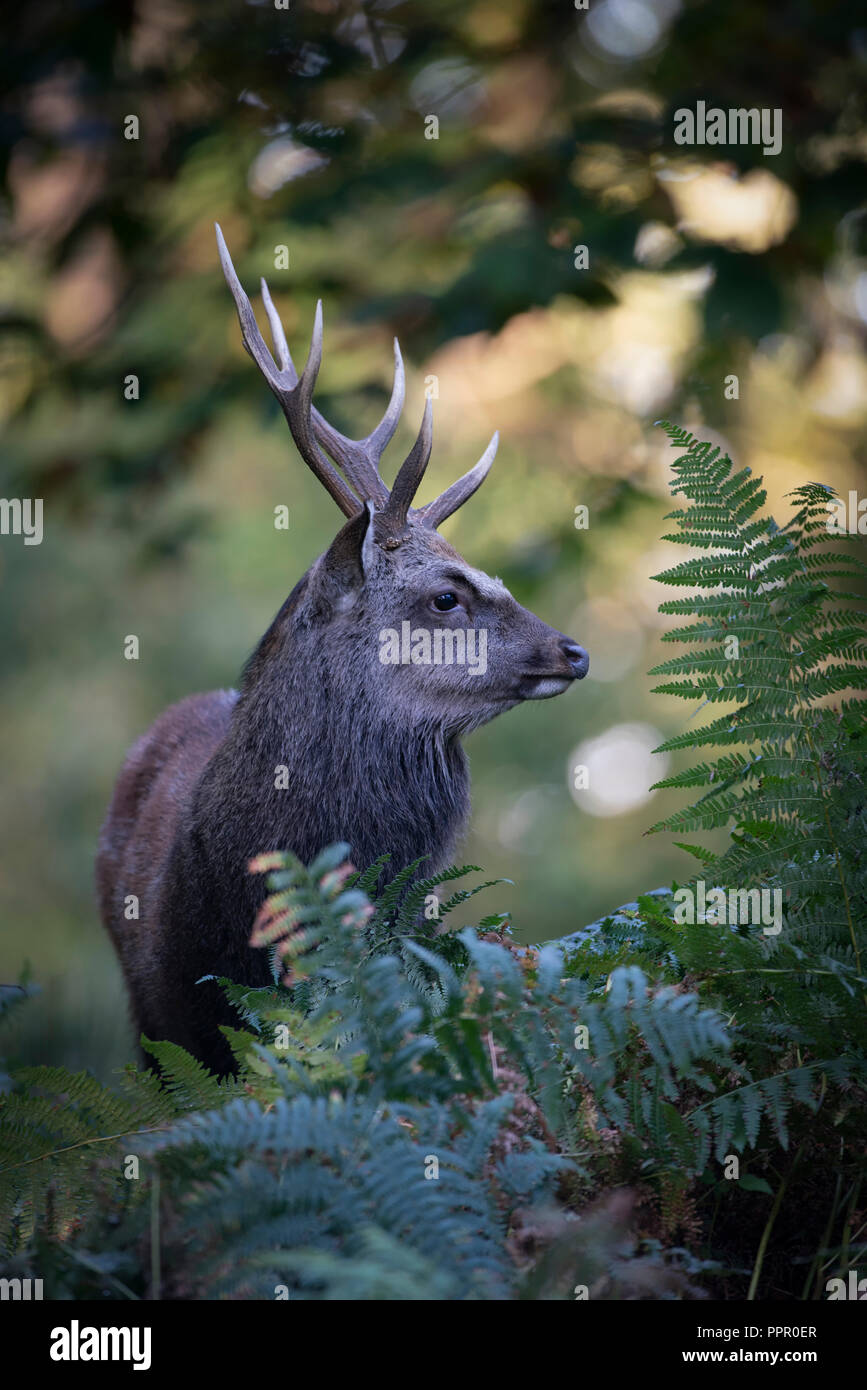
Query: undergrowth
{"points": [[667, 1104]]}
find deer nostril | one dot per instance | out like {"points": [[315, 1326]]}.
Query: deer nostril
{"points": [[577, 657]]}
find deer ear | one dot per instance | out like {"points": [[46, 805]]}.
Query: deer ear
{"points": [[341, 572]]}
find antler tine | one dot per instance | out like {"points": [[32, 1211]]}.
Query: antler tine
{"points": [[252, 338], [293, 392], [455, 496], [298, 408], [380, 437], [278, 337], [359, 458], [411, 472]]}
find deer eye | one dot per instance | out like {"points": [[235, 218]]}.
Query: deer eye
{"points": [[444, 602]]}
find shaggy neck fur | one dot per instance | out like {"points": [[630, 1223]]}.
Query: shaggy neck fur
{"points": [[312, 758]]}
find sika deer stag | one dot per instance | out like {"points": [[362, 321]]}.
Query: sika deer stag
{"points": [[371, 743]]}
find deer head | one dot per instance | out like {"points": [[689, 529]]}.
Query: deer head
{"points": [[420, 630]]}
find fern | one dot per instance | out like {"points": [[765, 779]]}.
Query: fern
{"points": [[382, 1096], [416, 1107], [776, 638]]}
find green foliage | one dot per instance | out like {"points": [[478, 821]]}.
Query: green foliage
{"points": [[427, 1095], [62, 1135], [351, 93], [777, 637], [418, 1112]]}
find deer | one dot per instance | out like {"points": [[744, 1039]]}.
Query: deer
{"points": [[325, 740]]}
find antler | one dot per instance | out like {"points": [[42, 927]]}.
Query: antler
{"points": [[358, 458]]}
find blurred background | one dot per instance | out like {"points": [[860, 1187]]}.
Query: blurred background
{"points": [[126, 129]]}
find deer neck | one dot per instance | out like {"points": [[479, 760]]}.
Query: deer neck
{"points": [[311, 759]]}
